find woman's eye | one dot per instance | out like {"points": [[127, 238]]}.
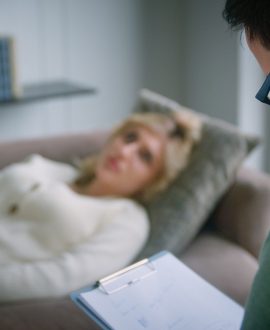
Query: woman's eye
{"points": [[130, 137], [146, 156]]}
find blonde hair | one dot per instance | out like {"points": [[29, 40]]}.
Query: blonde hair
{"points": [[182, 130]]}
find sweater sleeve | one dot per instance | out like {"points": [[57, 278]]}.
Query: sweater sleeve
{"points": [[114, 245], [38, 168]]}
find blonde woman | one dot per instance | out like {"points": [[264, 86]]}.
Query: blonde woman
{"points": [[62, 228]]}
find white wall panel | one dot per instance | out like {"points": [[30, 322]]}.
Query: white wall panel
{"points": [[109, 34], [21, 19], [53, 61], [211, 62], [164, 47]]}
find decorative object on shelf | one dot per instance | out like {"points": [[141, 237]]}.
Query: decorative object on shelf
{"points": [[9, 88], [11, 92], [49, 89]]}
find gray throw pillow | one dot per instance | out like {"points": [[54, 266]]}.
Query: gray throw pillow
{"points": [[178, 213]]}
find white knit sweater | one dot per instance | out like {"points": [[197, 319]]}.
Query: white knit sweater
{"points": [[53, 240]]}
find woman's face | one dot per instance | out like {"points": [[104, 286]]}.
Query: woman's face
{"points": [[131, 161]]}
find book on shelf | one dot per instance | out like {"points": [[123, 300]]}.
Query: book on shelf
{"points": [[9, 87]]}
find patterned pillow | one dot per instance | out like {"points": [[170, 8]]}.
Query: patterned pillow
{"points": [[178, 213]]}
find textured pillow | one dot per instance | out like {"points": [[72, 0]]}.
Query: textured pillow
{"points": [[178, 213]]}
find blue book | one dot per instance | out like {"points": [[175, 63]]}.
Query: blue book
{"points": [[8, 79], [2, 73], [7, 70]]}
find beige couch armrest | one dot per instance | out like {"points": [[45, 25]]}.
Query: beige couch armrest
{"points": [[61, 148], [243, 215]]}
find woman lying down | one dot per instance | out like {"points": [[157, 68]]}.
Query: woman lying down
{"points": [[62, 228]]}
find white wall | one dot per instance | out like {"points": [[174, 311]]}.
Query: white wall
{"points": [[191, 56], [211, 65], [164, 47], [94, 42]]}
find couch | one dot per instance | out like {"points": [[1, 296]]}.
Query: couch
{"points": [[225, 252]]}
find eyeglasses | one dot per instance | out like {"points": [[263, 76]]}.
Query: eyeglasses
{"points": [[263, 94]]}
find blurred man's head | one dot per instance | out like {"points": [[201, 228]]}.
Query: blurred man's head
{"points": [[253, 16]]}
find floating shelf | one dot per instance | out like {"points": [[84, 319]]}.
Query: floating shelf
{"points": [[48, 90]]}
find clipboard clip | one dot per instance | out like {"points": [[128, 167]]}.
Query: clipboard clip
{"points": [[126, 277]]}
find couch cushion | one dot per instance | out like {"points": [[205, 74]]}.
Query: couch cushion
{"points": [[224, 264], [65, 147], [178, 213], [242, 215]]}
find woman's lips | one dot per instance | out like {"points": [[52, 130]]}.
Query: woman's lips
{"points": [[112, 163]]}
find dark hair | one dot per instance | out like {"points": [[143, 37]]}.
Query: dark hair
{"points": [[253, 15]]}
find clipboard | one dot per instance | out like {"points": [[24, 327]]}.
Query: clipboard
{"points": [[158, 293]]}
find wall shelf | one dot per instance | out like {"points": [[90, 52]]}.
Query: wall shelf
{"points": [[48, 90]]}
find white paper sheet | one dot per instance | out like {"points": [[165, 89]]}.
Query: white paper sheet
{"points": [[173, 297]]}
